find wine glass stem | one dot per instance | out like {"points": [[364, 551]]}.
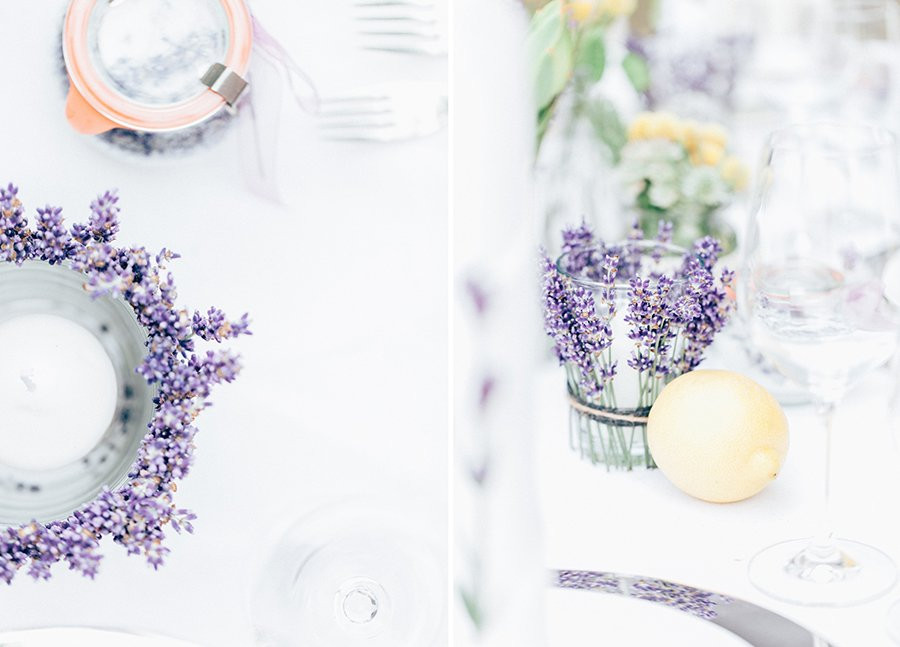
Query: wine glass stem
{"points": [[825, 536]]}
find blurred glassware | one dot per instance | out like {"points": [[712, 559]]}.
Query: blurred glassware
{"points": [[825, 221], [573, 174], [499, 576], [694, 74], [733, 351], [154, 67], [352, 574], [402, 26], [179, 84], [610, 427], [867, 36], [835, 59], [387, 112]]}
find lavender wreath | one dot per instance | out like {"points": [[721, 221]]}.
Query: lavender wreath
{"points": [[135, 514]]}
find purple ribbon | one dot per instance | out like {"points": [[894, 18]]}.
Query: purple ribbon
{"points": [[260, 112]]}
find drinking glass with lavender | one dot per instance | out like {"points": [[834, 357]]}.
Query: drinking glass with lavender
{"points": [[626, 319]]}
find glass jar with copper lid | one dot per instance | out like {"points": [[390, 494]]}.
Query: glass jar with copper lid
{"points": [[154, 67]]}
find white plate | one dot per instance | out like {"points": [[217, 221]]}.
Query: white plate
{"points": [[577, 618], [84, 637]]}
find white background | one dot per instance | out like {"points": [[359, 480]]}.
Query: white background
{"points": [[345, 383], [639, 523]]}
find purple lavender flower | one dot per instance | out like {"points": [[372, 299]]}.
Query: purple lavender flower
{"points": [[570, 318], [610, 270], [578, 248], [52, 241], [663, 237], [15, 237], [649, 317], [135, 514], [671, 319], [713, 305], [104, 221], [697, 602], [632, 257]]}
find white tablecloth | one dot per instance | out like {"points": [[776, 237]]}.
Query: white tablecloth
{"points": [[639, 523], [345, 384]]}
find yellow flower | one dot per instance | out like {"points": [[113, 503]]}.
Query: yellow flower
{"points": [[667, 126], [638, 127], [690, 136], [714, 133], [581, 10], [709, 153], [617, 8], [734, 172]]}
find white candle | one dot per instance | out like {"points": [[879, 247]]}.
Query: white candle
{"points": [[58, 391]]}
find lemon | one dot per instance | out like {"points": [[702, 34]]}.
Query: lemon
{"points": [[717, 435]]}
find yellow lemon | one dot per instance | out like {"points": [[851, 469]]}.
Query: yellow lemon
{"points": [[717, 435]]}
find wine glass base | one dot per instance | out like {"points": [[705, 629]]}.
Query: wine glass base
{"points": [[857, 573], [351, 575]]}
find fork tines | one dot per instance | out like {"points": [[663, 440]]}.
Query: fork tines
{"points": [[408, 26], [355, 116]]}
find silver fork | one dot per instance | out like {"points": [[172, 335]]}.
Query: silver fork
{"points": [[404, 26], [384, 113]]}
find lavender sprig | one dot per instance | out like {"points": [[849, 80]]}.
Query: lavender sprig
{"points": [[579, 335], [713, 306], [135, 514], [672, 318]]}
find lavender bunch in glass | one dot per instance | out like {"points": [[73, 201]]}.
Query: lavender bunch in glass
{"points": [[136, 514], [626, 319]]}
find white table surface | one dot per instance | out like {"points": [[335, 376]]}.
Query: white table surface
{"points": [[639, 523], [345, 383]]}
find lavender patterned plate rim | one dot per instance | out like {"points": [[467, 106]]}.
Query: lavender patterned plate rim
{"points": [[134, 514], [756, 625]]}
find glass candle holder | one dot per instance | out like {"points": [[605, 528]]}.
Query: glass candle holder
{"points": [[609, 426], [155, 75], [54, 490]]}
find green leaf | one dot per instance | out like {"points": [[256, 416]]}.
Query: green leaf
{"points": [[592, 52], [545, 114], [550, 53], [472, 608], [608, 125], [637, 71]]}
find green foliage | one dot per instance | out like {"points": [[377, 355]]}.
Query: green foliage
{"points": [[473, 609], [608, 125], [550, 52], [592, 52], [637, 71]]}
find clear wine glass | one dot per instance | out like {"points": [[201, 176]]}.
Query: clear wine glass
{"points": [[825, 222], [353, 573]]}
